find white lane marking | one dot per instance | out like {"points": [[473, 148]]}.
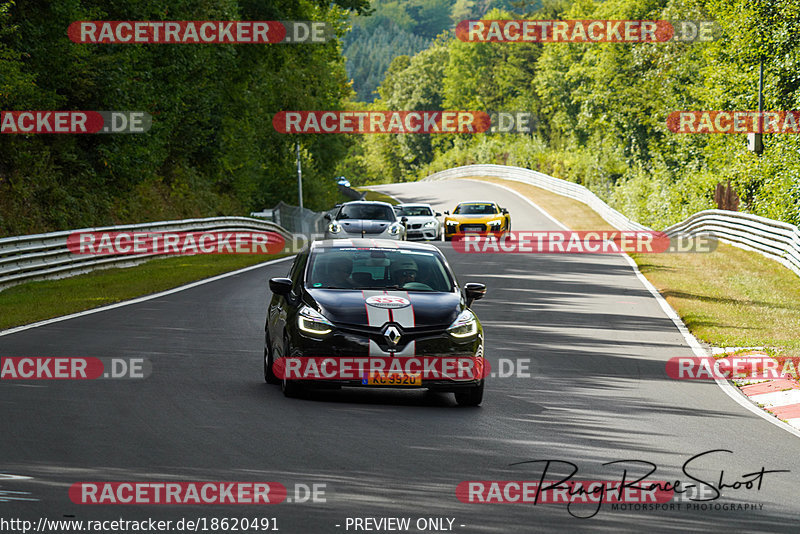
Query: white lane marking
{"points": [[8, 476], [9, 496], [141, 299], [698, 350]]}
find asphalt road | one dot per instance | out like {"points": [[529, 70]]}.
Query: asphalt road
{"points": [[595, 390]]}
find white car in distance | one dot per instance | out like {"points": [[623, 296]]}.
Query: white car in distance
{"points": [[422, 222]]}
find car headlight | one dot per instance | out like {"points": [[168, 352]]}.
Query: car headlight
{"points": [[465, 326], [451, 223], [429, 224], [312, 322], [496, 222], [334, 227], [394, 229]]}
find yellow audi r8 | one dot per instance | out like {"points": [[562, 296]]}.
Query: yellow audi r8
{"points": [[476, 218]]}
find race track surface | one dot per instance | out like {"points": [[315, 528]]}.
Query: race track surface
{"points": [[595, 390]]}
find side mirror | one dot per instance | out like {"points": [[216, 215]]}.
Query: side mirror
{"points": [[505, 211], [280, 286], [327, 217], [447, 213], [473, 292], [404, 220]]}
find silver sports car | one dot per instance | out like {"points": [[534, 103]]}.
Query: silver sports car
{"points": [[361, 218]]}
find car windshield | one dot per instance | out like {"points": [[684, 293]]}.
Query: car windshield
{"points": [[475, 209], [377, 268], [414, 211], [375, 212]]}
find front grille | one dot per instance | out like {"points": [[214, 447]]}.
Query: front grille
{"points": [[473, 228], [415, 226], [375, 331], [370, 230]]}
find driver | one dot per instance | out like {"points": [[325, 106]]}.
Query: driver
{"points": [[339, 270], [404, 271]]}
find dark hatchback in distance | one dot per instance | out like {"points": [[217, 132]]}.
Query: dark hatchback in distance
{"points": [[333, 305]]}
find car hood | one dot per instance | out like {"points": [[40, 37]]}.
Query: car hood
{"points": [[427, 309], [368, 226], [479, 217], [420, 218]]}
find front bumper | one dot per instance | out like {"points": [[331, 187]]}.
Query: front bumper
{"points": [[426, 233], [456, 227], [443, 386], [457, 232], [357, 342], [357, 235]]}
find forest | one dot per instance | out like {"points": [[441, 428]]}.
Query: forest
{"points": [[211, 149], [600, 109]]}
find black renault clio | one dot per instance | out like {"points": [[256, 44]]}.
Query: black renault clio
{"points": [[350, 306]]}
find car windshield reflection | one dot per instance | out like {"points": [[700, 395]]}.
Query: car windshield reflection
{"points": [[378, 269]]}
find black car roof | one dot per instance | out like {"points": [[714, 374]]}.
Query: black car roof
{"points": [[380, 202], [373, 243]]}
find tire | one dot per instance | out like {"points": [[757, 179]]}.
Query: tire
{"points": [[470, 397], [269, 374]]}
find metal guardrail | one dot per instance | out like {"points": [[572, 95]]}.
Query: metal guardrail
{"points": [[776, 240], [46, 256], [294, 218], [562, 187]]}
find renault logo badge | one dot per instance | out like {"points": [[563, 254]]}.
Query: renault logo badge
{"points": [[392, 335]]}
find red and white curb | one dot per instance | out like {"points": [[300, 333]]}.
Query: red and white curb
{"points": [[779, 396]]}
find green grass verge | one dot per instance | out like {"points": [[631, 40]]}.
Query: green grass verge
{"points": [[36, 301], [729, 297]]}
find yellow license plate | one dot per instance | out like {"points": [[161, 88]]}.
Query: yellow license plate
{"points": [[393, 379]]}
